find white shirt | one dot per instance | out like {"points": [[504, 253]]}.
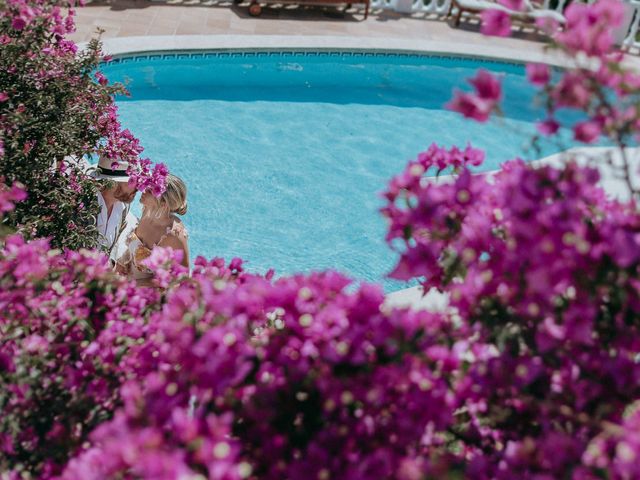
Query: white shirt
{"points": [[114, 229]]}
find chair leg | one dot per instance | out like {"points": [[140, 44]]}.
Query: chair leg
{"points": [[456, 22], [366, 10]]}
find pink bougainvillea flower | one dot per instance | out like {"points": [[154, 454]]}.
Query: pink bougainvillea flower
{"points": [[538, 73], [589, 28], [471, 106], [236, 265], [573, 90], [616, 448], [496, 23], [165, 263], [517, 5], [102, 80], [487, 86], [18, 23], [587, 132], [35, 343], [478, 106], [4, 97], [548, 126], [10, 196]]}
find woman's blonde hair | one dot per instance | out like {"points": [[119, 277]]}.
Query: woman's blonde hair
{"points": [[175, 196]]}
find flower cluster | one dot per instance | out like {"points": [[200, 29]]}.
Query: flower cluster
{"points": [[422, 215], [294, 378], [589, 28], [616, 449], [10, 196], [597, 84], [496, 22], [120, 145], [65, 322], [483, 102], [544, 268]]}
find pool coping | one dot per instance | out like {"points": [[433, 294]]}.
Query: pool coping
{"points": [[125, 46]]}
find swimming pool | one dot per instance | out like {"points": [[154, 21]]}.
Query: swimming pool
{"points": [[284, 153]]}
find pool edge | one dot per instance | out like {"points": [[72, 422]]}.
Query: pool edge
{"points": [[125, 46]]}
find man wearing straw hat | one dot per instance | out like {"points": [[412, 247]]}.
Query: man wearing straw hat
{"points": [[114, 222]]}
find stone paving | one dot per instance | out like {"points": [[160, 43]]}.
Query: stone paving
{"points": [[126, 18]]}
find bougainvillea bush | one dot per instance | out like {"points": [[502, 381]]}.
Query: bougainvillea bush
{"points": [[532, 372], [543, 267], [55, 106], [66, 321], [288, 379]]}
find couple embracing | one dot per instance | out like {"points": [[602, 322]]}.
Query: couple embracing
{"points": [[127, 240]]}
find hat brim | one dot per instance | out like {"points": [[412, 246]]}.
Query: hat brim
{"points": [[94, 173]]}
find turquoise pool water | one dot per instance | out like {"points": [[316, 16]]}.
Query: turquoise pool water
{"points": [[285, 153]]}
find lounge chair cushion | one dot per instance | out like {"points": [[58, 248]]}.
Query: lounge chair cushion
{"points": [[530, 11]]}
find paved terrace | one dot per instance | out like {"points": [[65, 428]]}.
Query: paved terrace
{"points": [[127, 18]]}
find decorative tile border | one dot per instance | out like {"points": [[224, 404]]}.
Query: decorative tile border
{"points": [[502, 52], [253, 54]]}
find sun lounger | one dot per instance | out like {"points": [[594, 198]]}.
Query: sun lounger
{"points": [[530, 13], [255, 8]]}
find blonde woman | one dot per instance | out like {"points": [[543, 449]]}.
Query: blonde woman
{"points": [[158, 227]]}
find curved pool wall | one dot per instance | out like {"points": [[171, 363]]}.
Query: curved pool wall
{"points": [[285, 152], [399, 79]]}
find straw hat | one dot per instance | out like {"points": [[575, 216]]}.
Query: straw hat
{"points": [[109, 170]]}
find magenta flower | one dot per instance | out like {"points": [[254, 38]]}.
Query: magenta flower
{"points": [[10, 196], [102, 80], [470, 106], [487, 86], [588, 131], [617, 448], [18, 23], [516, 5], [538, 73], [35, 343], [548, 127], [589, 28], [480, 105], [573, 90], [496, 23], [166, 265]]}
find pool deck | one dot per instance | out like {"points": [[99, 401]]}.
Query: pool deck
{"points": [[136, 18], [143, 25]]}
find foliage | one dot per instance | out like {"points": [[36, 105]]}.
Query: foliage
{"points": [[66, 321], [543, 267], [54, 108], [307, 380]]}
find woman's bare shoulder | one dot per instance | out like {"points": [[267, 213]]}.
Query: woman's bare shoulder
{"points": [[176, 236]]}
